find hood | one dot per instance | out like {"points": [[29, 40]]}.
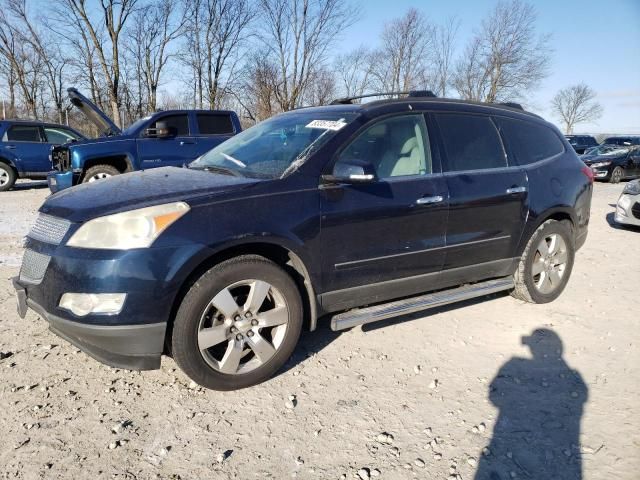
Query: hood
{"points": [[137, 190], [96, 116], [588, 159]]}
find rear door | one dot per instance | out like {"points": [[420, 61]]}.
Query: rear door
{"points": [[488, 198], [385, 239], [27, 142], [176, 150], [213, 129]]}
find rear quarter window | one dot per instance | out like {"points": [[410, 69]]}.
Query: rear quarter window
{"points": [[209, 124], [530, 142], [471, 142]]}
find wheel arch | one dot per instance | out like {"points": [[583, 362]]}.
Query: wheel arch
{"points": [[283, 256], [11, 163], [123, 162], [560, 214]]}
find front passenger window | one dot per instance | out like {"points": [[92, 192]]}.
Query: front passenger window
{"points": [[396, 146]]}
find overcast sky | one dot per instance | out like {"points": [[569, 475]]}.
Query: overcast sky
{"points": [[595, 42]]}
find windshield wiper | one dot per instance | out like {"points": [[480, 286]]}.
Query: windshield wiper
{"points": [[218, 169]]}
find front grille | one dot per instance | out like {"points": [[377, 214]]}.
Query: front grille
{"points": [[60, 158], [49, 229], [34, 266], [636, 209]]}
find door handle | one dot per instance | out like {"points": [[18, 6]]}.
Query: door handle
{"points": [[516, 190], [429, 200]]}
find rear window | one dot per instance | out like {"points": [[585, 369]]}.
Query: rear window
{"points": [[530, 142], [209, 124], [20, 133], [471, 142]]}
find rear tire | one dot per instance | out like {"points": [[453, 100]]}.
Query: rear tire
{"points": [[238, 324], [7, 177], [99, 172], [546, 264], [616, 175]]}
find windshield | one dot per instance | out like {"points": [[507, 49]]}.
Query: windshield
{"points": [[275, 147], [135, 125], [608, 150]]}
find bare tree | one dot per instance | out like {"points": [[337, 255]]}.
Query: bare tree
{"points": [[354, 72], [506, 58], [402, 63], [576, 104], [216, 32], [444, 45], [154, 28], [298, 34], [114, 16]]}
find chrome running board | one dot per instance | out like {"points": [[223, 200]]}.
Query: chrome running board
{"points": [[383, 311]]}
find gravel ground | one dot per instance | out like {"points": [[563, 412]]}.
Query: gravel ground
{"points": [[452, 394]]}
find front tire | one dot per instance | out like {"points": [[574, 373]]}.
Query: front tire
{"points": [[546, 264], [238, 324], [99, 172], [616, 175], [7, 177]]}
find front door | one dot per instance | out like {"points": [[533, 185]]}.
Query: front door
{"points": [[27, 142], [384, 239], [488, 198], [176, 150]]}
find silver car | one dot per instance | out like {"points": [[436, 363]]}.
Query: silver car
{"points": [[628, 208]]}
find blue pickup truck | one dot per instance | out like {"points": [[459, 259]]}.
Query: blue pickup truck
{"points": [[25, 147], [168, 138]]}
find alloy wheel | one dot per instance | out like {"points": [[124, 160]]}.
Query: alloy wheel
{"points": [[550, 263], [99, 176], [4, 177], [242, 327]]}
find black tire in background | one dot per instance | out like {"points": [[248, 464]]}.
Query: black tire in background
{"points": [[104, 171], [7, 177], [616, 175], [185, 345], [526, 280]]}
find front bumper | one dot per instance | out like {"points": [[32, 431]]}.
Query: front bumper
{"points": [[134, 347], [151, 278], [60, 180], [628, 210]]}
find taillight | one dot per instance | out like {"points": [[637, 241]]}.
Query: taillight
{"points": [[588, 172]]}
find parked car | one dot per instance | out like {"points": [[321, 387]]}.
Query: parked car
{"points": [[614, 163], [628, 207], [168, 138], [580, 143], [623, 141], [25, 146], [357, 211]]}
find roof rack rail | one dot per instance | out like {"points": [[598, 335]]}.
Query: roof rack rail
{"points": [[411, 94], [512, 105]]}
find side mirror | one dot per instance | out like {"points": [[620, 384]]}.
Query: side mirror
{"points": [[352, 171], [162, 130]]}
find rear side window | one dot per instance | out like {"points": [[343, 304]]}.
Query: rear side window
{"points": [[209, 124], [178, 124], [23, 133], [471, 142], [530, 142]]}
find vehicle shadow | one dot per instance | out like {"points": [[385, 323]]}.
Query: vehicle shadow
{"points": [[28, 184], [612, 223], [540, 401]]}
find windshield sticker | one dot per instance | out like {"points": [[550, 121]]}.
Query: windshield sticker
{"points": [[334, 125]]}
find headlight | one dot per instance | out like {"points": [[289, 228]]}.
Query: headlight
{"points": [[632, 188], [126, 230], [601, 164]]}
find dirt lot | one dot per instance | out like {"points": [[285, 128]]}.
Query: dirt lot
{"points": [[456, 390]]}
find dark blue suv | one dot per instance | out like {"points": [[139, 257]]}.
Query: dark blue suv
{"points": [[25, 147], [167, 138], [354, 212]]}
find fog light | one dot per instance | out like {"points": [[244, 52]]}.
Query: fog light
{"points": [[82, 304]]}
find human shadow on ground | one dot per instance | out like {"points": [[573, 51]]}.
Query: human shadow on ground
{"points": [[540, 402]]}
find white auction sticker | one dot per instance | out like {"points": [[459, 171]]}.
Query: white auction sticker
{"points": [[327, 124]]}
